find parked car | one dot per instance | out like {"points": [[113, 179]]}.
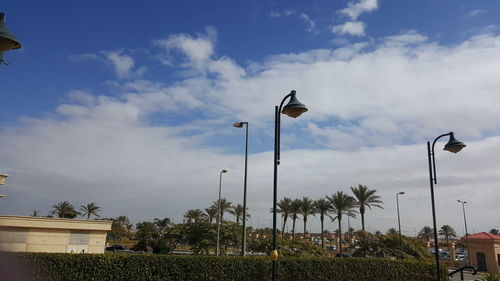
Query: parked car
{"points": [[344, 255], [116, 248]]}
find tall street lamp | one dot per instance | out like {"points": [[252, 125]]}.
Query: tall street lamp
{"points": [[293, 109], [399, 223], [466, 232], [219, 210], [454, 146], [3, 177], [7, 40], [244, 232]]}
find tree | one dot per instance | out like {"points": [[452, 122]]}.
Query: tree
{"points": [[323, 207], [162, 224], [341, 205], [392, 231], [295, 211], [35, 213], [237, 212], [284, 207], [194, 215], [224, 206], [307, 207], [211, 213], [388, 246], [448, 232], [64, 209], [90, 209], [494, 231], [365, 198], [426, 233]]}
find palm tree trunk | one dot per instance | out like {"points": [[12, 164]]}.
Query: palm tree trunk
{"points": [[305, 224], [293, 228], [321, 218], [340, 235], [362, 220], [283, 228]]}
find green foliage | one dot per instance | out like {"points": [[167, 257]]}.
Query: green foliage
{"points": [[490, 277], [287, 248], [125, 267], [388, 246]]}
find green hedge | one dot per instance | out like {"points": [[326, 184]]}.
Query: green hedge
{"points": [[137, 267]]}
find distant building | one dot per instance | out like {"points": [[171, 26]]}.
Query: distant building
{"points": [[37, 234], [485, 251]]}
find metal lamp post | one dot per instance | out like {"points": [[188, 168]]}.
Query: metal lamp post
{"points": [[466, 232], [218, 210], [399, 223], [244, 232], [454, 146], [7, 40], [294, 109]]}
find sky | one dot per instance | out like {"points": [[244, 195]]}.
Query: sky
{"points": [[130, 105]]}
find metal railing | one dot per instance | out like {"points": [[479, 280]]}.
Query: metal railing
{"points": [[461, 270]]}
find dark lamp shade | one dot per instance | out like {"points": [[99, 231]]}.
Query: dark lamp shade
{"points": [[453, 144], [7, 40], [294, 108]]}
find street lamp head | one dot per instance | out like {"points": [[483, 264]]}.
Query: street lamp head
{"points": [[453, 144], [400, 193], [239, 124], [460, 201], [2, 178], [1, 195], [224, 171], [7, 40], [294, 108]]}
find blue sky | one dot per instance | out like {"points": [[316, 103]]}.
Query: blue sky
{"points": [[121, 101]]}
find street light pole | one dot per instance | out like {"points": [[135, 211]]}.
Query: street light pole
{"points": [[293, 109], [399, 223], [454, 146], [466, 232], [219, 210], [244, 232]]}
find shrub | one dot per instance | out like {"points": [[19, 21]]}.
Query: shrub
{"points": [[139, 267]]}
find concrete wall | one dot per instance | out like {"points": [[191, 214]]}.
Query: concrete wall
{"points": [[33, 234], [491, 249]]}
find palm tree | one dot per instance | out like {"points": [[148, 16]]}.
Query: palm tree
{"points": [[90, 209], [194, 215], [365, 198], [284, 208], [448, 232], [162, 224], [307, 207], [426, 233], [494, 231], [295, 211], [391, 231], [237, 211], [35, 213], [341, 204], [223, 205], [211, 213], [323, 207], [64, 209]]}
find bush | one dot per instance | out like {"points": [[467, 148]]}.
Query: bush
{"points": [[138, 267]]}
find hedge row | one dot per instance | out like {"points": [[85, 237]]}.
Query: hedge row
{"points": [[87, 267]]}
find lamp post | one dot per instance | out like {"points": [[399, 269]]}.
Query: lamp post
{"points": [[7, 40], [293, 109], [399, 223], [454, 146], [218, 210], [244, 232], [466, 232]]}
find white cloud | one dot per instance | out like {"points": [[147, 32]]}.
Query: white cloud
{"points": [[475, 13], [356, 28], [372, 106], [122, 64], [311, 25], [356, 8]]}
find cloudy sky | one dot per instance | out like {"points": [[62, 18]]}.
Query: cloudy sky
{"points": [[131, 105]]}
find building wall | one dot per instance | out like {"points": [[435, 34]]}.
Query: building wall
{"points": [[491, 249], [29, 234]]}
